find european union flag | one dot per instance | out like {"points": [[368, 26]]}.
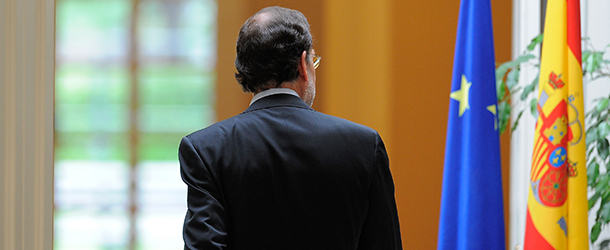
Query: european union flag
{"points": [[472, 213]]}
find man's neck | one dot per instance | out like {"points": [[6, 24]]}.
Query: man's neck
{"points": [[272, 91]]}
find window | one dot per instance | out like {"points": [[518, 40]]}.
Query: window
{"points": [[132, 78]]}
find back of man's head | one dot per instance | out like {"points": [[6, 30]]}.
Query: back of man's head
{"points": [[269, 48]]}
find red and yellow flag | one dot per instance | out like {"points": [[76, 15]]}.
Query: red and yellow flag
{"points": [[557, 202]]}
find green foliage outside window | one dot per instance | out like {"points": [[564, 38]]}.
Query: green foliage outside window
{"points": [[175, 44]]}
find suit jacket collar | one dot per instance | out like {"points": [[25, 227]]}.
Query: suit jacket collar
{"points": [[278, 100]]}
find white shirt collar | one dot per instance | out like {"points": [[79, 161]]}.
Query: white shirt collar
{"points": [[273, 91]]}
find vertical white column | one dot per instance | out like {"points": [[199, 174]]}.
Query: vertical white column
{"points": [[27, 44], [526, 26]]}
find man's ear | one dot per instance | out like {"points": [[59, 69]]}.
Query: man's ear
{"points": [[303, 66]]}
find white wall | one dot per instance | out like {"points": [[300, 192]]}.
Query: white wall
{"points": [[26, 123], [595, 22]]}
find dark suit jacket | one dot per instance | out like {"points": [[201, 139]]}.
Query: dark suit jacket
{"points": [[283, 176]]}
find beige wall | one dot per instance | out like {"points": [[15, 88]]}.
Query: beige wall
{"points": [[386, 64], [27, 45]]}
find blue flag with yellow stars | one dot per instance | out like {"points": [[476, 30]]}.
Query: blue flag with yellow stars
{"points": [[472, 210]]}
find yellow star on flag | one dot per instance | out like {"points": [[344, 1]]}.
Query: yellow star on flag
{"points": [[493, 110], [462, 95]]}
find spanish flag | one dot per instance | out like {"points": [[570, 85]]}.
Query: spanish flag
{"points": [[472, 210], [557, 202]]}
